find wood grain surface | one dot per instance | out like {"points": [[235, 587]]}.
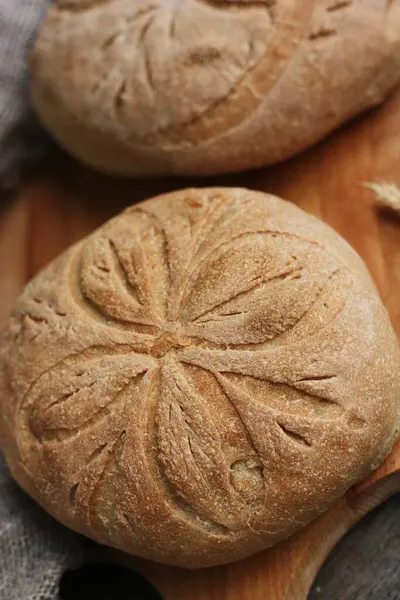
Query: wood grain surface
{"points": [[64, 201]]}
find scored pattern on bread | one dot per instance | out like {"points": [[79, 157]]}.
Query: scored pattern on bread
{"points": [[208, 86], [127, 277], [210, 375], [251, 67]]}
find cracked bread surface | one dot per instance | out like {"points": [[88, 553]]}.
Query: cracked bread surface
{"points": [[198, 378], [206, 87]]}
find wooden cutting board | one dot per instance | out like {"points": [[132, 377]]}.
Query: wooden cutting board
{"points": [[64, 201]]}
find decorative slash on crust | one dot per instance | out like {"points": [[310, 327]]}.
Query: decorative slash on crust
{"points": [[208, 86]]}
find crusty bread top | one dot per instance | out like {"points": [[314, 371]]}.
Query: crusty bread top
{"points": [[199, 86], [198, 378]]}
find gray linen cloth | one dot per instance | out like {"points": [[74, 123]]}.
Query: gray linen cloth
{"points": [[34, 550], [21, 140]]}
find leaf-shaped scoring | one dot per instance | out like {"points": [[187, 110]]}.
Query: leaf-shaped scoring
{"points": [[190, 451], [124, 273], [313, 372], [81, 404], [255, 288], [294, 445], [282, 441], [73, 425], [80, 391]]}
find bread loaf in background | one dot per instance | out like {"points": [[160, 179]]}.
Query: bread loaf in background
{"points": [[199, 378], [208, 86]]}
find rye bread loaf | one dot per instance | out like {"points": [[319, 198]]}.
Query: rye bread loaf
{"points": [[198, 378], [208, 86]]}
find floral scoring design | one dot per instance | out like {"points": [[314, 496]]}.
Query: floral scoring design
{"points": [[225, 383]]}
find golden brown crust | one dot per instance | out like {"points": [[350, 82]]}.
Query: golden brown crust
{"points": [[199, 378], [190, 86]]}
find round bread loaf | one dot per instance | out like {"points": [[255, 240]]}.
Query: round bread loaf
{"points": [[199, 378], [208, 86]]}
